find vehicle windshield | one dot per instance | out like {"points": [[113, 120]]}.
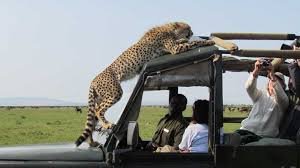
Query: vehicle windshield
{"points": [[114, 113]]}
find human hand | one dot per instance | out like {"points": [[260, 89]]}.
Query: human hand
{"points": [[257, 67], [184, 151], [151, 146], [297, 60]]}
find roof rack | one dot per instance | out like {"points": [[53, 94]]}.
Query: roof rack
{"points": [[255, 36], [231, 48]]}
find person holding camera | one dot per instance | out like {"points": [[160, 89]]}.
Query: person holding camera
{"points": [[268, 105]]}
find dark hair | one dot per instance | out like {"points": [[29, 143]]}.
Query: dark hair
{"points": [[181, 98], [200, 111]]}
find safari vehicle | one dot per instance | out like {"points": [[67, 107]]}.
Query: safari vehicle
{"points": [[122, 146]]}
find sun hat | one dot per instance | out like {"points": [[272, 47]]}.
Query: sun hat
{"points": [[279, 75]]}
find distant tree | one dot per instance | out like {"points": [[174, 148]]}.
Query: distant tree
{"points": [[9, 107]]}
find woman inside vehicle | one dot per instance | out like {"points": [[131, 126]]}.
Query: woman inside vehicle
{"points": [[195, 137]]}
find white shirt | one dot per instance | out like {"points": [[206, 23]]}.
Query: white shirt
{"points": [[195, 138], [267, 111]]}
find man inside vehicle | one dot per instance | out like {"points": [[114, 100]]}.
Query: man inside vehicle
{"points": [[291, 124], [268, 106], [171, 127]]}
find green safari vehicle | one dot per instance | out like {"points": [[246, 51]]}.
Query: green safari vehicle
{"points": [[122, 145]]}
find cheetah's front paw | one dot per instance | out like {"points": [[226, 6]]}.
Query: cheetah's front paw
{"points": [[203, 43], [107, 125], [210, 42]]}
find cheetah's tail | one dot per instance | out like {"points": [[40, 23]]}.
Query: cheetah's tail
{"points": [[89, 126]]}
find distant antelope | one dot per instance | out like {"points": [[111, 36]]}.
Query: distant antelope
{"points": [[244, 109], [78, 110], [231, 109]]}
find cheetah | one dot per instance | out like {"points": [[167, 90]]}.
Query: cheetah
{"points": [[105, 89]]}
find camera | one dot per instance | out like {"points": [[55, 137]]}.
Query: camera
{"points": [[286, 47], [290, 47], [266, 62]]}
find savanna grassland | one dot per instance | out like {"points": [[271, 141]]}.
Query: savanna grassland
{"points": [[31, 125]]}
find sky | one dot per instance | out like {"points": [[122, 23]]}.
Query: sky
{"points": [[54, 48]]}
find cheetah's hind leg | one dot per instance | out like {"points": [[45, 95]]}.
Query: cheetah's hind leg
{"points": [[103, 106], [112, 97]]}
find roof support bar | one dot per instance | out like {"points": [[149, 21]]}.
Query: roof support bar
{"points": [[287, 54], [255, 36]]}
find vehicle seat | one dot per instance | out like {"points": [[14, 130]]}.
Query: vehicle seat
{"points": [[133, 137], [271, 141], [286, 121], [233, 139]]}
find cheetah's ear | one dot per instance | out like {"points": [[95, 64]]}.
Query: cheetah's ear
{"points": [[180, 25], [177, 25]]}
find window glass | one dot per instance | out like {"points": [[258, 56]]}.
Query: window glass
{"points": [[155, 106]]}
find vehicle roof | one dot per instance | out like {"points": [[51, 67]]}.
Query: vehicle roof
{"points": [[191, 68], [160, 63]]}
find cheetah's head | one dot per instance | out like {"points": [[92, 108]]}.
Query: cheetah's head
{"points": [[182, 30]]}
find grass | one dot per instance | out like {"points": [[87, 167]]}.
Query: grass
{"points": [[39, 125], [52, 125]]}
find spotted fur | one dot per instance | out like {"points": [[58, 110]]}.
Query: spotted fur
{"points": [[105, 89]]}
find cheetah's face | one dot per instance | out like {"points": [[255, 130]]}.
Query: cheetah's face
{"points": [[182, 30]]}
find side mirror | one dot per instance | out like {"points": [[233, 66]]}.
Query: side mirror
{"points": [[132, 133]]}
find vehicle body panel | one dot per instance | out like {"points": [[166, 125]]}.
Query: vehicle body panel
{"points": [[52, 155], [167, 160], [257, 156]]}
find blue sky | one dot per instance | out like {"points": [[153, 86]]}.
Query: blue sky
{"points": [[54, 48]]}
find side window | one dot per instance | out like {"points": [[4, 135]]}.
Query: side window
{"points": [[154, 107], [114, 113], [192, 94]]}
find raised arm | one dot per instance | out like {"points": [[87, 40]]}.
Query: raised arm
{"points": [[250, 84], [295, 74], [279, 93], [186, 140], [281, 97]]}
